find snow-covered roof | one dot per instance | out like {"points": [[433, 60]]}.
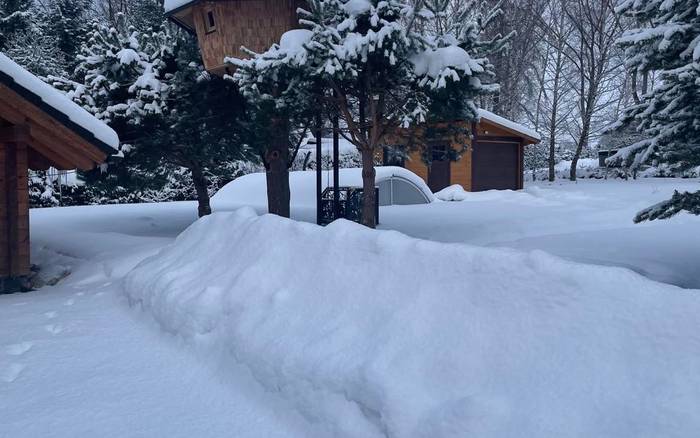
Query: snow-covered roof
{"points": [[171, 5], [508, 124], [57, 105]]}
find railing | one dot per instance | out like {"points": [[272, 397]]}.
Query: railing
{"points": [[349, 205]]}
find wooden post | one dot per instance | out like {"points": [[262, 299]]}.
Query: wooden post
{"points": [[336, 168], [4, 225], [14, 254], [319, 169]]}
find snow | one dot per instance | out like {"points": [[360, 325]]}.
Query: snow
{"points": [[58, 101], [171, 5], [252, 190], [447, 336], [357, 7], [589, 221], [489, 343], [440, 63], [454, 192], [509, 124]]}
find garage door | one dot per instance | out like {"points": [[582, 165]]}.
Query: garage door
{"points": [[495, 166]]}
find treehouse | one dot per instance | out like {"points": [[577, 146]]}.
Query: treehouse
{"points": [[222, 27], [39, 128]]}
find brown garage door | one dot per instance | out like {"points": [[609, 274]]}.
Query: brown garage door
{"points": [[495, 166]]}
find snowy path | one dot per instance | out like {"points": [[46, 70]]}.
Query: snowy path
{"points": [[77, 361]]}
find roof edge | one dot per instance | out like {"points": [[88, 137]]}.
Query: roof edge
{"points": [[36, 100]]}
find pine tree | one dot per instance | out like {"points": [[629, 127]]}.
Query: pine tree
{"points": [[152, 89], [198, 124], [667, 41], [15, 17], [377, 68], [68, 24]]}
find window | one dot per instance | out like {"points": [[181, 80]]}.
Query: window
{"points": [[394, 155], [210, 21], [439, 152]]}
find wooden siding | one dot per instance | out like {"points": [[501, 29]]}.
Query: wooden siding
{"points": [[415, 164], [255, 24], [462, 170]]}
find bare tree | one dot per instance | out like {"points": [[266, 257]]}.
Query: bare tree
{"points": [[553, 110], [593, 52], [514, 67]]}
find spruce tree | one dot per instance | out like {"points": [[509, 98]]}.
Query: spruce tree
{"points": [[378, 68], [15, 18], [666, 41], [152, 89]]}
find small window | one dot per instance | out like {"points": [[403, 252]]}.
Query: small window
{"points": [[439, 152], [210, 21], [394, 155]]}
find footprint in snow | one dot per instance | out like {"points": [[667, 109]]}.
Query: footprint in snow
{"points": [[50, 315], [79, 294], [18, 349], [11, 373], [69, 302], [54, 329]]}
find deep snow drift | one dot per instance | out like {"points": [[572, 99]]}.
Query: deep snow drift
{"points": [[372, 333]]}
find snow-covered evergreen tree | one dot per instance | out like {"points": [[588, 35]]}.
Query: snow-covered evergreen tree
{"points": [[67, 23], [152, 89], [379, 70], [15, 17], [667, 40]]}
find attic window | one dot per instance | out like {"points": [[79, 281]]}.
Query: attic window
{"points": [[210, 21]]}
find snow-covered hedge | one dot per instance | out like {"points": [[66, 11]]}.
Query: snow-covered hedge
{"points": [[375, 334]]}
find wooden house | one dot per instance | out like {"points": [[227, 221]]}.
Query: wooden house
{"points": [[492, 159], [39, 128], [223, 26]]}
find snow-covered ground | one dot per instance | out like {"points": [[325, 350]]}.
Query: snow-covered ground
{"points": [[436, 340], [589, 221]]}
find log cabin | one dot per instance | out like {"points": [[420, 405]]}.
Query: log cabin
{"points": [[39, 128], [491, 158]]}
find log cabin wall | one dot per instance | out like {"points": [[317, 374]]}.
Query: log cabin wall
{"points": [[255, 24], [14, 219], [460, 170]]}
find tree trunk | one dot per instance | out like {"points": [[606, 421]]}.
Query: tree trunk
{"points": [[276, 164], [552, 147], [369, 200], [201, 186], [582, 141]]}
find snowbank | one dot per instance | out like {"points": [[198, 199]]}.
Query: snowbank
{"points": [[58, 101], [454, 192], [373, 333]]}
